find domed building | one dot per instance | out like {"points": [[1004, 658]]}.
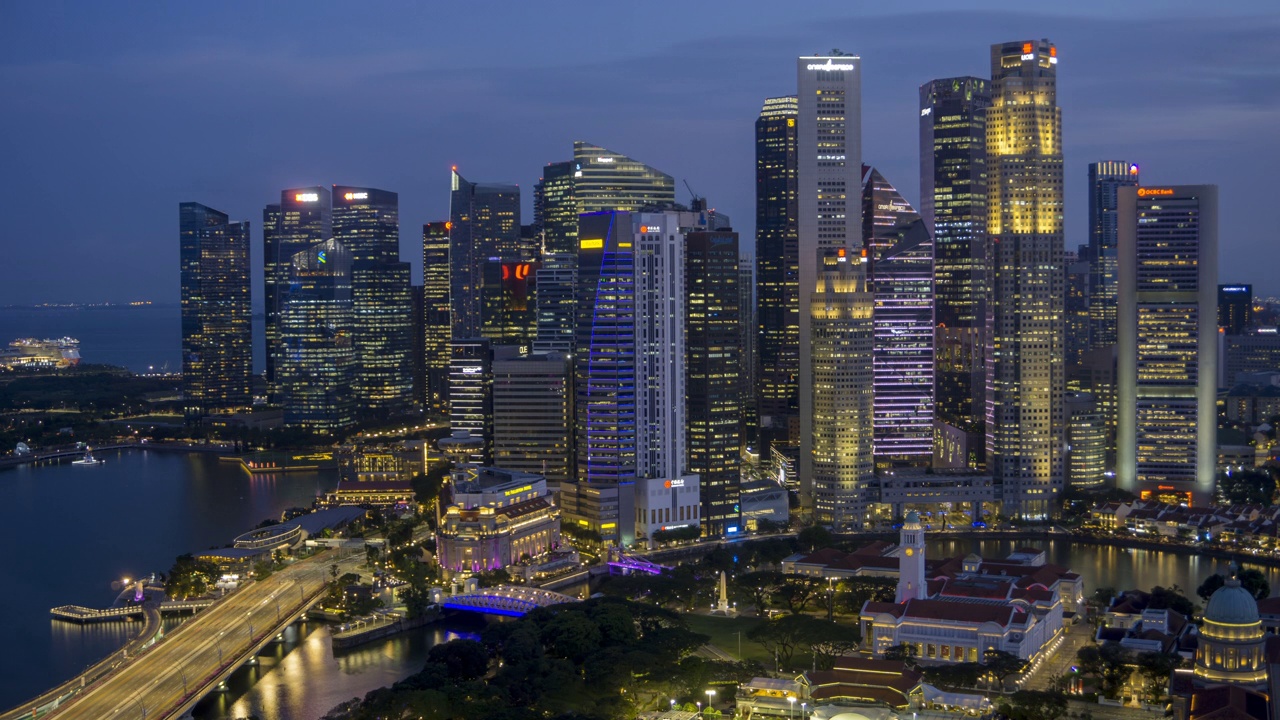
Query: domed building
{"points": [[1232, 641]]}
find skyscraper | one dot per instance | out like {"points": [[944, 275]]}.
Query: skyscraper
{"points": [[835, 388], [900, 274], [532, 415], [748, 363], [217, 347], [555, 209], [303, 218], [437, 326], [471, 391], [317, 362], [1105, 180], [555, 302], [485, 224], [1235, 308], [1168, 350], [1076, 311], [777, 273], [953, 204], [660, 308], [714, 392], [612, 181], [1025, 382], [508, 294], [367, 222]]}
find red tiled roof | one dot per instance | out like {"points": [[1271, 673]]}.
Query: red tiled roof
{"points": [[879, 547], [893, 609], [961, 612]]}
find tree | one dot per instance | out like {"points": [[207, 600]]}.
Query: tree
{"points": [[1252, 580], [1002, 664], [1247, 487], [463, 659], [829, 641], [1155, 669], [758, 588], [1171, 598], [1109, 663], [815, 537], [798, 591], [782, 636], [1035, 705], [902, 652]]}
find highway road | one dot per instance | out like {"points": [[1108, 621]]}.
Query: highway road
{"points": [[191, 659]]}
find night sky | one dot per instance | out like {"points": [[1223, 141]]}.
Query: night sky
{"points": [[112, 113]]}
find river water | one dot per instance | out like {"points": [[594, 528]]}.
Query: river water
{"points": [[70, 531]]}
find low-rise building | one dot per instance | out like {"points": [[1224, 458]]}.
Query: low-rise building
{"points": [[491, 518]]}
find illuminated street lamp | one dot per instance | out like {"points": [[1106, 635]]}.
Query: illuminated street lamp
{"points": [[711, 696], [792, 699]]}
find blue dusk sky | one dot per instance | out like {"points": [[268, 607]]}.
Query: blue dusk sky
{"points": [[114, 112]]}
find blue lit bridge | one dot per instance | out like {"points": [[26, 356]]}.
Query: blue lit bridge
{"points": [[506, 600]]}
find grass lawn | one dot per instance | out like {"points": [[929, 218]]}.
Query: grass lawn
{"points": [[724, 635]]}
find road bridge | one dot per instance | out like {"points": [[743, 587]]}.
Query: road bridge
{"points": [[167, 679]]}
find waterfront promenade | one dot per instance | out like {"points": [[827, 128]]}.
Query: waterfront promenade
{"points": [[173, 674]]}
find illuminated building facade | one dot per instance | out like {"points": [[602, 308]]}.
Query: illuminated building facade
{"points": [[1256, 350], [555, 210], [318, 356], [612, 181], [835, 387], [436, 324], [367, 222], [471, 392], [1235, 308], [1076, 310], [1025, 380], [841, 339], [491, 518], [303, 218], [748, 360], [777, 273], [382, 307], [485, 223], [556, 302], [1105, 180], [217, 342], [953, 204], [1086, 460], [900, 274], [1168, 351], [713, 363], [508, 312], [532, 415]]}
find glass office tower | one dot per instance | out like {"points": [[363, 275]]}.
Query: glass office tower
{"points": [[1025, 380], [953, 204], [437, 328], [303, 218], [777, 274], [318, 355], [1105, 180], [900, 274], [1168, 342], [217, 340], [485, 221]]}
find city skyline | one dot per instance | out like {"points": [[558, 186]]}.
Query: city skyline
{"points": [[709, 144]]}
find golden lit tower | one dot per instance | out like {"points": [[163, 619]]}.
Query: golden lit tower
{"points": [[1025, 383]]}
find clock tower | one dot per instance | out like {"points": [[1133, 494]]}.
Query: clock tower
{"points": [[911, 582]]}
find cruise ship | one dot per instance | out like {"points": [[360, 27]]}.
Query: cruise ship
{"points": [[34, 353]]}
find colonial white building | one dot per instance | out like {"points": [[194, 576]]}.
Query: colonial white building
{"points": [[958, 610]]}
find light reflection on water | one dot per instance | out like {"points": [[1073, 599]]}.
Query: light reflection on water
{"points": [[302, 679], [1103, 566]]}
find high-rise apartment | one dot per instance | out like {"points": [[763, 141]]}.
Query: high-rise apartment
{"points": [[303, 218], [217, 347], [485, 223], [1105, 180], [437, 328], [1025, 381], [777, 273], [835, 387], [899, 264], [1168, 351], [317, 361], [714, 391], [953, 204]]}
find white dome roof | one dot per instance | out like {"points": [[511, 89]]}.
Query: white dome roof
{"points": [[1231, 604]]}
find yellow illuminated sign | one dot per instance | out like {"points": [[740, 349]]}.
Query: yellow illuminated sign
{"points": [[624, 244], [517, 491], [1152, 192], [607, 526], [591, 244]]}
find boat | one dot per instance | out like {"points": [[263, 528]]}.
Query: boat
{"points": [[88, 459]]}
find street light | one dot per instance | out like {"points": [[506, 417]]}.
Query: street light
{"points": [[792, 699], [711, 696]]}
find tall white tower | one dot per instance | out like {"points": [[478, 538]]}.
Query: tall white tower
{"points": [[911, 582], [835, 308]]}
